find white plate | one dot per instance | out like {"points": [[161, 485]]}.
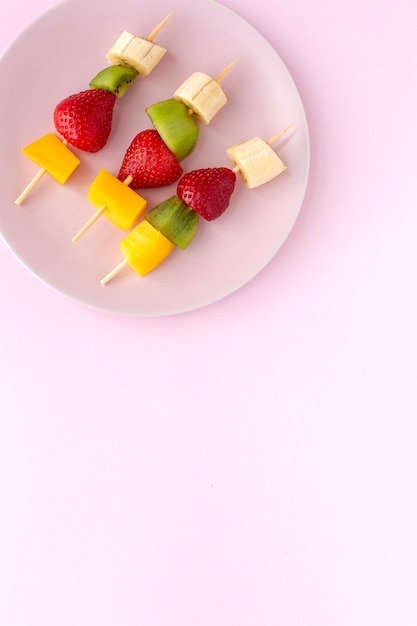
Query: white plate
{"points": [[57, 56]]}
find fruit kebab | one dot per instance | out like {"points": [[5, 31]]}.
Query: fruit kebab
{"points": [[84, 120], [153, 158], [202, 193]]}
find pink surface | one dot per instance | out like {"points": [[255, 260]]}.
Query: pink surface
{"points": [[252, 462]]}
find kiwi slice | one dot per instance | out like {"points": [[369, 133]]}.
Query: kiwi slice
{"points": [[175, 220], [115, 78], [175, 125]]}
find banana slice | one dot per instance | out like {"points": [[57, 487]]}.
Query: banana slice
{"points": [[256, 162], [136, 52], [203, 95]]}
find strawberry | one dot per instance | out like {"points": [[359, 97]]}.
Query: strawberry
{"points": [[150, 162], [85, 119], [207, 191]]}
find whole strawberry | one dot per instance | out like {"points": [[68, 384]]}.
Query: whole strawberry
{"points": [[85, 119], [207, 191], [149, 162]]}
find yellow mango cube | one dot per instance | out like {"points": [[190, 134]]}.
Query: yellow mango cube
{"points": [[123, 205], [50, 153], [145, 248]]}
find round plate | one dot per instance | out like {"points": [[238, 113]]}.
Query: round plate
{"points": [[57, 56]]}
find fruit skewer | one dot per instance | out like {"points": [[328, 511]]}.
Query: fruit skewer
{"points": [[200, 193], [153, 157], [84, 120]]}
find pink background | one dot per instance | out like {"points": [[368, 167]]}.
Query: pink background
{"points": [[252, 462]]}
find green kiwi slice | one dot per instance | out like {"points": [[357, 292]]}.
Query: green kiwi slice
{"points": [[175, 220], [115, 78], [175, 125]]}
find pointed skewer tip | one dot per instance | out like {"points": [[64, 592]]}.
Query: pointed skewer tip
{"points": [[226, 70], [278, 135], [158, 28]]}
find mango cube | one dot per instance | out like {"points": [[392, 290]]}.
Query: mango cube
{"points": [[123, 205], [50, 153], [145, 248]]}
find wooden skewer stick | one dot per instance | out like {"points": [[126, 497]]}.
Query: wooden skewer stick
{"points": [[89, 224], [30, 186], [158, 28], [113, 273], [226, 70], [95, 216], [33, 182], [278, 135]]}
